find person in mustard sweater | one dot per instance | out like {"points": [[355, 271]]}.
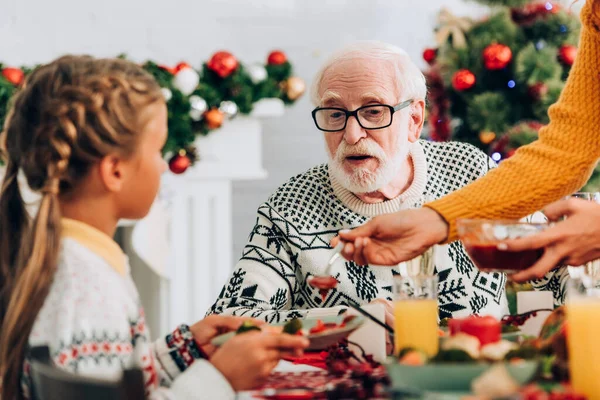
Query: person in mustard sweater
{"points": [[557, 164]]}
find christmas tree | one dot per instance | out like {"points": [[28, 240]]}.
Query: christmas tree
{"points": [[492, 80]]}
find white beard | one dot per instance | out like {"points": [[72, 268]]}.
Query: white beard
{"points": [[363, 180]]}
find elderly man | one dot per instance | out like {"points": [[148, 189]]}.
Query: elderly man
{"points": [[370, 101]]}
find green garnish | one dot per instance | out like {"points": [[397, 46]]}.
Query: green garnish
{"points": [[452, 355], [247, 326], [292, 326], [526, 352], [405, 351], [509, 328]]}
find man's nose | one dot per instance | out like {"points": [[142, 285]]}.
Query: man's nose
{"points": [[353, 132]]}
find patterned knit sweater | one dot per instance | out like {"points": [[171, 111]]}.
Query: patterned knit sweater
{"points": [[290, 243], [559, 162], [94, 324]]}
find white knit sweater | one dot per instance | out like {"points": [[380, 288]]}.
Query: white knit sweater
{"points": [[290, 243], [94, 324]]}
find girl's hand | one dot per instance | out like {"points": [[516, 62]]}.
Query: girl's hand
{"points": [[247, 359], [215, 325]]}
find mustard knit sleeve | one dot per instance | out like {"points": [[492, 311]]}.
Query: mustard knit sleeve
{"points": [[558, 163]]}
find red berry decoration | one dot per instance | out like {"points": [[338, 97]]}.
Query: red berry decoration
{"points": [[222, 63], [496, 56], [13, 75], [276, 58], [463, 80], [566, 54], [430, 55], [179, 163]]}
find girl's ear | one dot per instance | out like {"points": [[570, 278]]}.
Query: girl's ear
{"points": [[111, 172]]}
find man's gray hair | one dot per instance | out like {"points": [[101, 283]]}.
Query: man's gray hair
{"points": [[409, 79]]}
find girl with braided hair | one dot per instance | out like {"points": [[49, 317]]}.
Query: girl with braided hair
{"points": [[87, 134]]}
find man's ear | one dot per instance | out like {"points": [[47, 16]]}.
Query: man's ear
{"points": [[417, 118], [111, 170]]}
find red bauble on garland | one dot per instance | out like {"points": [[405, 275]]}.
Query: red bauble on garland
{"points": [[430, 55], [175, 69], [13, 75], [463, 79], [530, 13], [276, 57], [182, 65], [567, 53], [537, 91], [496, 56], [439, 128], [179, 163], [222, 63]]}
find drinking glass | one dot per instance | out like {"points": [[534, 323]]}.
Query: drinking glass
{"points": [[416, 313]]}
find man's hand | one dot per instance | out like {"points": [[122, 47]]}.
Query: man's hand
{"points": [[393, 238], [573, 241]]}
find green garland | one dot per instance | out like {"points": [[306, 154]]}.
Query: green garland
{"points": [[238, 87]]}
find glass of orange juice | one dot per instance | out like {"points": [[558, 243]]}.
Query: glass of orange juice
{"points": [[583, 320], [416, 313]]}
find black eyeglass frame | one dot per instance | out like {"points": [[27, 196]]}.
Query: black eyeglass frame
{"points": [[354, 114]]}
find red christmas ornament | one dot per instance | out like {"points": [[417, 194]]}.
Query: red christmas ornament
{"points": [[545, 8], [180, 66], [276, 58], [171, 70], [463, 79], [567, 53], [535, 125], [429, 55], [496, 56], [439, 127], [13, 75], [537, 91], [530, 13], [179, 163], [223, 63]]}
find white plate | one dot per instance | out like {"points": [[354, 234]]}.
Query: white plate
{"points": [[318, 341]]}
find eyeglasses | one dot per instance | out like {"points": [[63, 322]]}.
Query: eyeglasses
{"points": [[376, 116]]}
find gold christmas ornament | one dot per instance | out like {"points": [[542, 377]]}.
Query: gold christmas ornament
{"points": [[487, 137], [453, 27], [294, 87]]}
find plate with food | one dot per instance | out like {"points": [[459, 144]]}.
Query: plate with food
{"points": [[474, 351], [321, 332]]}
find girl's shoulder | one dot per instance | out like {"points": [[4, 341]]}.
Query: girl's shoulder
{"points": [[86, 297]]}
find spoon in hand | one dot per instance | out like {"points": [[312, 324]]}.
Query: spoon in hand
{"points": [[325, 281]]}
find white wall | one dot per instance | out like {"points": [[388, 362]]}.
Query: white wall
{"points": [[33, 31]]}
